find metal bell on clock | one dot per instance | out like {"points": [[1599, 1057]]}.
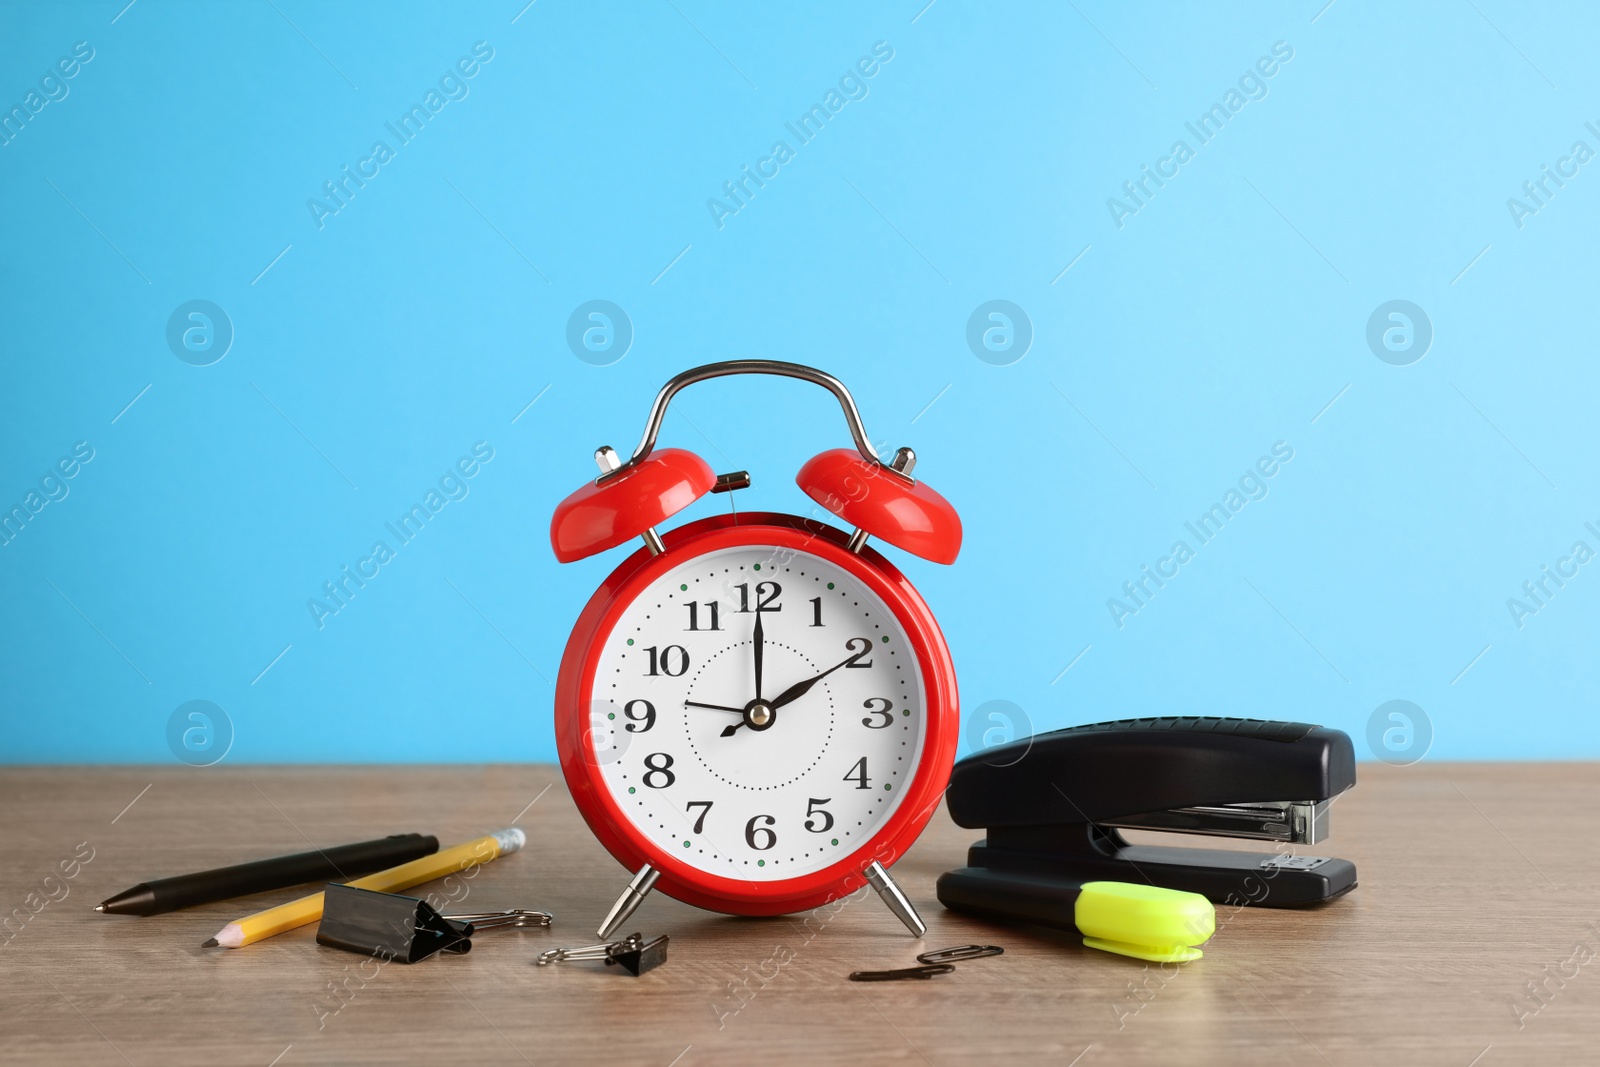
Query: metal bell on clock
{"points": [[884, 502], [626, 503]]}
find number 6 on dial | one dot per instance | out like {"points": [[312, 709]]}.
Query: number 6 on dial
{"points": [[774, 668]]}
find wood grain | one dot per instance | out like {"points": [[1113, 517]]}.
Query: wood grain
{"points": [[1473, 882]]}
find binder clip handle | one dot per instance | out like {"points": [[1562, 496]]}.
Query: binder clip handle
{"points": [[491, 920], [633, 953]]}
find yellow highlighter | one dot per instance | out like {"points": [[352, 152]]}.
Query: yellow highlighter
{"points": [[306, 910], [1142, 921]]}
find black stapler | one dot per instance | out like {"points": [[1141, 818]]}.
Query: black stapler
{"points": [[1052, 805]]}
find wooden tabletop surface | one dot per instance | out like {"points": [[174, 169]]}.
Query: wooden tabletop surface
{"points": [[1472, 885]]}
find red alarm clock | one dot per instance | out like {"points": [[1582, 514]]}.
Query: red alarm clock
{"points": [[756, 713]]}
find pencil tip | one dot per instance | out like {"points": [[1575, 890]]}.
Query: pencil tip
{"points": [[212, 943], [100, 907]]}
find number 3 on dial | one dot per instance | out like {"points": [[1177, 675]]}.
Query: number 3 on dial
{"points": [[887, 711]]}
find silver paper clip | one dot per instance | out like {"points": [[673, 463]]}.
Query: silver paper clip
{"points": [[964, 952], [633, 953]]}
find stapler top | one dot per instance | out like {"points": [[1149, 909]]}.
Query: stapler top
{"points": [[1225, 777]]}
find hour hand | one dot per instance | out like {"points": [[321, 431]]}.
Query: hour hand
{"points": [[800, 689]]}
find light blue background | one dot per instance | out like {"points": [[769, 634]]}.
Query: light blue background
{"points": [[1224, 317]]}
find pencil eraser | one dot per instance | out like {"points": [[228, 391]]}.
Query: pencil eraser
{"points": [[510, 840], [1144, 921]]}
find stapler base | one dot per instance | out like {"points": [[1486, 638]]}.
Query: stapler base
{"points": [[1223, 876]]}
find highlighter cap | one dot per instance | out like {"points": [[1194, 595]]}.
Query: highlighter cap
{"points": [[1144, 921]]}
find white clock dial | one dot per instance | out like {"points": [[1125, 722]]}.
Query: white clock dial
{"points": [[754, 790]]}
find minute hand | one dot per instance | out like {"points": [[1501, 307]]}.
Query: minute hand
{"points": [[800, 689]]}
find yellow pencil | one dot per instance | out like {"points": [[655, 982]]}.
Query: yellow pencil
{"points": [[264, 924]]}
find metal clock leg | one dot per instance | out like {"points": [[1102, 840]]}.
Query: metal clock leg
{"points": [[903, 909], [631, 898]]}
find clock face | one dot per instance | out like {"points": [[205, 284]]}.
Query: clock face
{"points": [[767, 782]]}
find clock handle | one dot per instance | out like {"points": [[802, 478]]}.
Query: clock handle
{"points": [[643, 881], [903, 909], [658, 411]]}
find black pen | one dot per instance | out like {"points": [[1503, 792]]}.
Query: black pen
{"points": [[337, 864]]}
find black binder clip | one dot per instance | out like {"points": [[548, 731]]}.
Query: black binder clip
{"points": [[1052, 806], [392, 927], [633, 954]]}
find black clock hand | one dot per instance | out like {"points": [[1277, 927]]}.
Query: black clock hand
{"points": [[800, 689], [795, 692], [712, 707], [760, 640]]}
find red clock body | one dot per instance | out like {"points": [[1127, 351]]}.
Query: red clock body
{"points": [[757, 712]]}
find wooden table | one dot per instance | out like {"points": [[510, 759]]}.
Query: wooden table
{"points": [[1472, 884]]}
